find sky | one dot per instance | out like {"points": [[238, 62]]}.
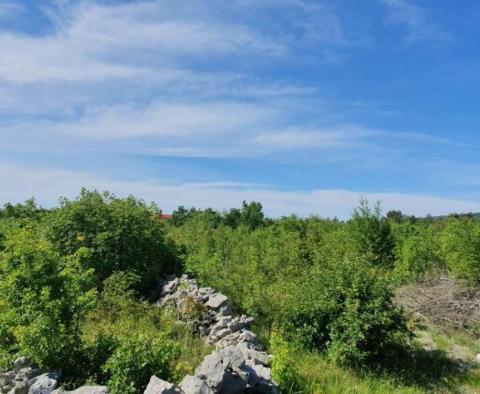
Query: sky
{"points": [[303, 105]]}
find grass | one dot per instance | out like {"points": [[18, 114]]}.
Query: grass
{"points": [[419, 371], [134, 318]]}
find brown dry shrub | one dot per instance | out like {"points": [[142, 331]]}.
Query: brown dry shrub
{"points": [[444, 302]]}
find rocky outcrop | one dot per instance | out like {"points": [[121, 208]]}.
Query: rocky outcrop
{"points": [[238, 364], [84, 390], [26, 379]]}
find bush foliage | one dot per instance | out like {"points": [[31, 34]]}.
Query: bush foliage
{"points": [[74, 282]]}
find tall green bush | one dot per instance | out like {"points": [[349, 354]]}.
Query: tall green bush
{"points": [[461, 248], [44, 299], [372, 234], [345, 309], [121, 235]]}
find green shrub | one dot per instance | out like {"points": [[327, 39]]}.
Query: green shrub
{"points": [[121, 234], [346, 310], [136, 360], [44, 299], [372, 234], [285, 365], [418, 253], [461, 248]]}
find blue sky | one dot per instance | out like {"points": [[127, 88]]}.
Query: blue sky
{"points": [[302, 105]]}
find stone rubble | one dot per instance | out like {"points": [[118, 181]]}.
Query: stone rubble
{"points": [[84, 390], [238, 365], [25, 379]]}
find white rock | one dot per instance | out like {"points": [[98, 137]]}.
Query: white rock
{"points": [[216, 301], [84, 390], [193, 385], [6, 378], [251, 354], [170, 287], [21, 363], [159, 386], [212, 370], [44, 384]]}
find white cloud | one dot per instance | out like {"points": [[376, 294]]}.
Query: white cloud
{"points": [[182, 123], [416, 20], [314, 139], [19, 183], [94, 42]]}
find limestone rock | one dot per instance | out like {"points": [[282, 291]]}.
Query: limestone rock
{"points": [[6, 378], [239, 364], [159, 386], [44, 384], [216, 301], [84, 390], [21, 363], [194, 385], [19, 389]]}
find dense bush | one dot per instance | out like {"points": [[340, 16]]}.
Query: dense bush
{"points": [[461, 248], [417, 252], [136, 360], [345, 309], [295, 274], [320, 290], [44, 299], [121, 235]]}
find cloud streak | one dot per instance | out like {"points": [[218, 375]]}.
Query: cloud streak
{"points": [[418, 24], [19, 183]]}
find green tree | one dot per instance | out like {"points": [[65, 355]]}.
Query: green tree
{"points": [[372, 234], [251, 215], [232, 218]]}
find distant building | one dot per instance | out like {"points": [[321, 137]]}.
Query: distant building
{"points": [[164, 216]]}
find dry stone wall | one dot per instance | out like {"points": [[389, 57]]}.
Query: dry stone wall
{"points": [[239, 364]]}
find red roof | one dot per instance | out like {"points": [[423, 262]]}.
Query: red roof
{"points": [[164, 216]]}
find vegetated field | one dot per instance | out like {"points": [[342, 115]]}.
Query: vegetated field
{"points": [[370, 305]]}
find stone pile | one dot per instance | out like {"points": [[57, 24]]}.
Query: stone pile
{"points": [[84, 390], [26, 379], [237, 365]]}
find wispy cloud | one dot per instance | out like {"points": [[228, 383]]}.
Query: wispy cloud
{"points": [[47, 185], [416, 20]]}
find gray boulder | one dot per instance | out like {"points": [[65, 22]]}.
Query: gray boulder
{"points": [[21, 363], [216, 301], [43, 384], [21, 388], [84, 390], [6, 378], [159, 386], [194, 385]]}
